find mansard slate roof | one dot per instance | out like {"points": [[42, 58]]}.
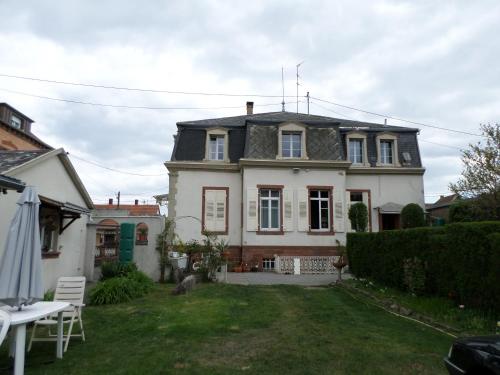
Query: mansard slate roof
{"points": [[256, 137]]}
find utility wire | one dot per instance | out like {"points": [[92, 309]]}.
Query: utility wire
{"points": [[127, 106], [202, 93], [397, 118], [141, 89], [116, 170]]}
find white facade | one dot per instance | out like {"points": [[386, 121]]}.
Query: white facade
{"points": [[52, 180], [379, 188]]}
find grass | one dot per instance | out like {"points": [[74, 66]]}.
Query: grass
{"points": [[227, 329], [464, 321]]}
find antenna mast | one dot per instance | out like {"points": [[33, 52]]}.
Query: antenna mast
{"points": [[283, 87], [299, 64]]}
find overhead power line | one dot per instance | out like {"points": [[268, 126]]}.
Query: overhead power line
{"points": [[116, 170], [93, 85], [397, 118], [127, 106]]}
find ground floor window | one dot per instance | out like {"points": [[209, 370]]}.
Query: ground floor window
{"points": [[319, 203], [268, 264], [270, 209], [49, 228]]}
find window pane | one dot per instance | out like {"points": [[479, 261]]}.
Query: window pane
{"points": [[386, 152], [324, 204], [315, 215], [314, 193], [264, 216], [296, 153], [275, 193], [264, 192], [356, 197], [274, 215], [324, 218], [356, 150], [324, 193]]}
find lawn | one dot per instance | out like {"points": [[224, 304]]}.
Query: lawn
{"points": [[227, 329]]}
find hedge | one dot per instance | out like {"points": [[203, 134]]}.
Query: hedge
{"points": [[460, 261]]}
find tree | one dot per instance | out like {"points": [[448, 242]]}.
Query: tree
{"points": [[480, 178], [412, 216], [358, 214]]}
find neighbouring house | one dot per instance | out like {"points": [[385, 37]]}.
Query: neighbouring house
{"points": [[104, 234], [64, 210], [441, 208], [281, 183], [15, 131]]}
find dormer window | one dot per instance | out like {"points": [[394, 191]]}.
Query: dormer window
{"points": [[15, 122], [217, 145], [356, 151], [292, 141], [387, 150], [291, 146], [356, 148]]}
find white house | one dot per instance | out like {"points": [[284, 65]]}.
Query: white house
{"points": [[64, 210], [281, 183]]}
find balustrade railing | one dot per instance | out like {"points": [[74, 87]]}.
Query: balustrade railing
{"points": [[308, 264]]}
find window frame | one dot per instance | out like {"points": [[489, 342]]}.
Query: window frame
{"points": [[369, 206], [270, 231], [56, 226], [356, 135], [387, 137], [330, 229], [217, 132], [12, 117], [226, 210], [292, 149], [291, 127]]}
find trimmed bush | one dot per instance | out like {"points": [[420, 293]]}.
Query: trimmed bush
{"points": [[121, 289], [116, 269], [412, 216], [459, 261], [358, 214]]}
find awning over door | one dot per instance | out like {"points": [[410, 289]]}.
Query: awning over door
{"points": [[390, 208]]}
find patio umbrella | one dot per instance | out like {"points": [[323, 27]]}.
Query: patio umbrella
{"points": [[21, 264]]}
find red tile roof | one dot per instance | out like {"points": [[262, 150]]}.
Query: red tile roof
{"points": [[133, 210]]}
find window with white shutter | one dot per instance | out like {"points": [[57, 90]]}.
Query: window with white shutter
{"points": [[215, 209], [251, 209]]}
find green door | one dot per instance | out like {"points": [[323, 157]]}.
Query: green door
{"points": [[127, 231]]}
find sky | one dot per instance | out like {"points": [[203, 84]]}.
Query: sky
{"points": [[431, 62]]}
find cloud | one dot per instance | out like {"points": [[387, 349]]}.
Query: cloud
{"points": [[431, 62]]}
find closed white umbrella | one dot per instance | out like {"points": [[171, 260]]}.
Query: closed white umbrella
{"points": [[21, 280]]}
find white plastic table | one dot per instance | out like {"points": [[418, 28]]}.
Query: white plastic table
{"points": [[31, 313]]}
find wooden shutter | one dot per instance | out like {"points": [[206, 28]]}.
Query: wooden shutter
{"points": [[338, 211], [303, 210], [252, 207], [287, 210], [220, 211], [210, 210]]}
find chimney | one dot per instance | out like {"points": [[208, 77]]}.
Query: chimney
{"points": [[136, 202], [110, 201], [249, 108]]}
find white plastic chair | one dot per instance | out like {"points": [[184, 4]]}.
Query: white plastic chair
{"points": [[4, 324], [69, 289]]}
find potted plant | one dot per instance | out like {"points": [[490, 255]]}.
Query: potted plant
{"points": [[341, 262]]}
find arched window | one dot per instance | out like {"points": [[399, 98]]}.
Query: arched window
{"points": [[141, 235]]}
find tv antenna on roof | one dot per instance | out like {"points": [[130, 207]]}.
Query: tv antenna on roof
{"points": [[298, 65], [283, 89]]}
